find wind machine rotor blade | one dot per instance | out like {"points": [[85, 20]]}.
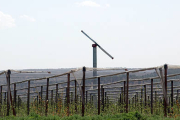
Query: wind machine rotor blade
{"points": [[88, 37], [105, 52], [97, 45]]}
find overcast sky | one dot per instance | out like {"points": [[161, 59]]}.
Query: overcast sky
{"points": [[47, 33]]}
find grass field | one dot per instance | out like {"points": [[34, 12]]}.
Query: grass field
{"points": [[112, 111], [123, 116]]}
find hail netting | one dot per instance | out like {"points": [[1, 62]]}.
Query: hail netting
{"points": [[111, 79]]}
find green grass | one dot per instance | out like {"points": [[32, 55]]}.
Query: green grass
{"points": [[112, 111], [122, 116]]}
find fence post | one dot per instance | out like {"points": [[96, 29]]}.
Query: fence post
{"points": [[28, 97], [47, 89], [177, 96], [171, 93], [41, 95], [83, 91], [5, 96], [155, 96], [151, 96], [135, 100], [165, 96], [145, 96], [75, 96], [68, 89], [8, 91], [51, 97], [127, 89], [99, 96], [124, 92], [56, 97], [0, 99], [105, 98], [120, 99], [155, 101], [102, 97], [141, 99]]}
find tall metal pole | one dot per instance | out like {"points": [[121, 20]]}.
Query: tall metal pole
{"points": [[94, 59]]}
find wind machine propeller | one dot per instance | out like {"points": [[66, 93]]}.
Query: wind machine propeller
{"points": [[95, 53]]}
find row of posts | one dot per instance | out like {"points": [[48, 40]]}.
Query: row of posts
{"points": [[126, 90]]}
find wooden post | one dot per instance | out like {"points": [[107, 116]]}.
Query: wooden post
{"points": [[155, 96], [75, 95], [105, 98], [145, 101], [47, 89], [5, 96], [165, 96], [83, 91], [172, 94], [178, 96], [51, 97], [135, 101], [120, 99], [56, 97], [41, 95], [68, 89], [0, 99], [129, 105], [141, 99], [28, 97], [8, 91], [99, 96], [151, 96], [127, 89], [124, 92]]}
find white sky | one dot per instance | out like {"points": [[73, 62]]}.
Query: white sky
{"points": [[46, 33]]}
